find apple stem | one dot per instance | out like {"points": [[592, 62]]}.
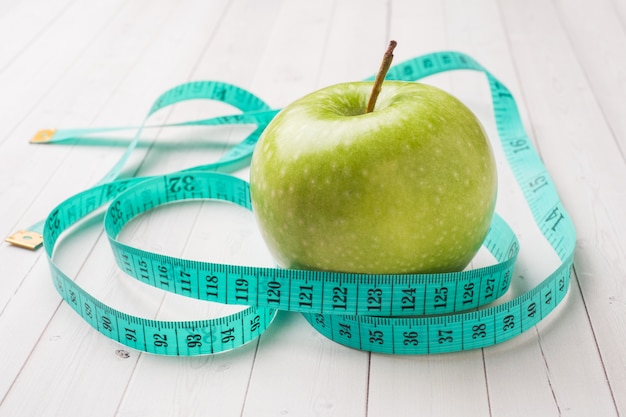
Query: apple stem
{"points": [[380, 76]]}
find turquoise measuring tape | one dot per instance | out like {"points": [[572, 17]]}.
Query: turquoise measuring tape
{"points": [[397, 314]]}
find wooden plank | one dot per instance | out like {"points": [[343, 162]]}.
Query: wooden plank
{"points": [[442, 385], [507, 395], [69, 325], [479, 32], [560, 59], [222, 384], [598, 42], [566, 117], [23, 23], [21, 181], [309, 374]]}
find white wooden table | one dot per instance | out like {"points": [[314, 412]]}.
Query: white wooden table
{"points": [[79, 63]]}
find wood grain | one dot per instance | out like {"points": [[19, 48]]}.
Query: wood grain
{"points": [[80, 64]]}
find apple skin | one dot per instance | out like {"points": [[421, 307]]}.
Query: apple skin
{"points": [[408, 188]]}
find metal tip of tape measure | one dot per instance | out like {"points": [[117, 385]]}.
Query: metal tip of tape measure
{"points": [[43, 136], [26, 239]]}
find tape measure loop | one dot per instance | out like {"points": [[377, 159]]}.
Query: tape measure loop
{"points": [[393, 314], [316, 291], [184, 338]]}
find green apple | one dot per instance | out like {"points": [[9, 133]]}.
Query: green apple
{"points": [[409, 187]]}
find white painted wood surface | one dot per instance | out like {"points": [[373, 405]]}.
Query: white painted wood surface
{"points": [[80, 63]]}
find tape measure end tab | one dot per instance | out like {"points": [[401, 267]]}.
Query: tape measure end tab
{"points": [[43, 136], [26, 239]]}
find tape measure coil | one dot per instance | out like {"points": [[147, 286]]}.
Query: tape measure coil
{"points": [[344, 307]]}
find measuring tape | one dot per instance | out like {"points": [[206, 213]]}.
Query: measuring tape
{"points": [[397, 314]]}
